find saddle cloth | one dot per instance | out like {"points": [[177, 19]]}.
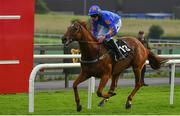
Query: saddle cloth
{"points": [[123, 47]]}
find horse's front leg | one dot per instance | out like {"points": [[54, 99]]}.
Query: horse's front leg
{"points": [[111, 90], [82, 77]]}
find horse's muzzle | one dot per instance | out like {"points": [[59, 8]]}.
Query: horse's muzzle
{"points": [[64, 39], [68, 42]]}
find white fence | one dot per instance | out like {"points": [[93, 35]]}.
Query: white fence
{"points": [[163, 41], [91, 81]]}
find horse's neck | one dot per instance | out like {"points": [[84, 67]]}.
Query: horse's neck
{"points": [[89, 47]]}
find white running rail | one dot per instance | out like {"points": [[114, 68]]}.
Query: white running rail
{"points": [[170, 56], [33, 75]]}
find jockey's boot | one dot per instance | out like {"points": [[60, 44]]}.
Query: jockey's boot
{"points": [[114, 46]]}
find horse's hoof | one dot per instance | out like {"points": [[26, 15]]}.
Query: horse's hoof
{"points": [[112, 93], [101, 103], [79, 108], [128, 105]]}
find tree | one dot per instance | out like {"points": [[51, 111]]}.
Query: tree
{"points": [[155, 31], [41, 7]]}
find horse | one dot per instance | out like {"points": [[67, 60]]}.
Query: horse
{"points": [[97, 61]]}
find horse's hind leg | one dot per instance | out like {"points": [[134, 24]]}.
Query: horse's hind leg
{"points": [[111, 90], [82, 77], [102, 84], [138, 84]]}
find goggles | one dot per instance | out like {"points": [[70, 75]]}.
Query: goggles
{"points": [[94, 16]]}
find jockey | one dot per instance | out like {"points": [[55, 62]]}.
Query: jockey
{"points": [[110, 23]]}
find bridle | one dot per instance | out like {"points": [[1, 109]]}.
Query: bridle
{"points": [[98, 58]]}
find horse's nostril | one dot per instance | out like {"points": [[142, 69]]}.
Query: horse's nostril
{"points": [[66, 45]]}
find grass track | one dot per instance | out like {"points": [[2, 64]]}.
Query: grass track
{"points": [[149, 100]]}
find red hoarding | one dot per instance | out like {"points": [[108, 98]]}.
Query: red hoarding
{"points": [[16, 44]]}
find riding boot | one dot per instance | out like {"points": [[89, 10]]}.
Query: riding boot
{"points": [[114, 46]]}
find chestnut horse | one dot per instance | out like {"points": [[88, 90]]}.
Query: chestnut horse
{"points": [[97, 62]]}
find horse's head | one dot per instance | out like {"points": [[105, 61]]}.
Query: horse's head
{"points": [[73, 33]]}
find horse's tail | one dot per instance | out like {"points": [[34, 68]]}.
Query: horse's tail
{"points": [[155, 61]]}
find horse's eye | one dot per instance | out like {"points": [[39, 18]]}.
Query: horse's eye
{"points": [[74, 30]]}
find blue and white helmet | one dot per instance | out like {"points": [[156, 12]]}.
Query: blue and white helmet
{"points": [[95, 9]]}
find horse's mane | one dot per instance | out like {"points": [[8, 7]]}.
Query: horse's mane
{"points": [[84, 24]]}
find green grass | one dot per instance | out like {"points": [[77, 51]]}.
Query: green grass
{"points": [[53, 23], [149, 100]]}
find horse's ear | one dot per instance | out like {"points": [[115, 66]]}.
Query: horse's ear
{"points": [[83, 23]]}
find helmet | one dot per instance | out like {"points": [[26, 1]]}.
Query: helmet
{"points": [[94, 10]]}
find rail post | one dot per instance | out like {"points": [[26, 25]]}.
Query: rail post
{"points": [[172, 84]]}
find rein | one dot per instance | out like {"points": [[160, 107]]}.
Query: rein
{"points": [[92, 42]]}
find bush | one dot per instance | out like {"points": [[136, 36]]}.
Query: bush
{"points": [[41, 7], [155, 31]]}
